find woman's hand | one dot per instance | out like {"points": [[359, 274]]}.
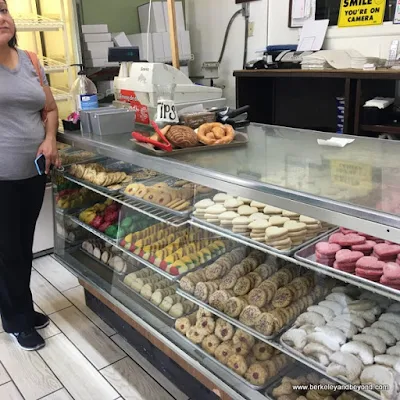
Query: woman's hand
{"points": [[49, 149]]}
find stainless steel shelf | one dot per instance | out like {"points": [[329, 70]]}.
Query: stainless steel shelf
{"points": [[249, 172], [36, 23], [272, 342], [51, 66], [151, 211]]}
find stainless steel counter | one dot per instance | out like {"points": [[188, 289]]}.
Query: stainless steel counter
{"points": [[357, 186]]}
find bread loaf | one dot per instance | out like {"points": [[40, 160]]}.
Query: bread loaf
{"points": [[182, 137]]}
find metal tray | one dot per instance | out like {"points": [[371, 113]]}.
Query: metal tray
{"points": [[233, 321], [319, 367], [240, 140], [75, 218], [253, 243], [104, 264], [153, 306], [224, 367], [307, 255]]}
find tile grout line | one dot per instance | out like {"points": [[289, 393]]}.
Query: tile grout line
{"points": [[15, 385], [74, 287], [63, 309]]}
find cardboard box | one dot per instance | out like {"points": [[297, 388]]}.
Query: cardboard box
{"points": [[121, 40], [101, 53], [140, 40], [97, 37], [101, 28], [98, 46], [157, 21], [180, 16]]}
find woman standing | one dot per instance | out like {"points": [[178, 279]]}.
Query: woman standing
{"points": [[23, 137]]}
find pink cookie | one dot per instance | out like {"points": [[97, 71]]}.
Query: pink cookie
{"points": [[371, 275], [324, 261], [386, 281], [336, 237], [324, 257], [392, 271], [383, 250], [390, 284], [365, 248], [370, 263], [348, 256], [327, 249], [345, 268], [347, 240], [346, 231]]}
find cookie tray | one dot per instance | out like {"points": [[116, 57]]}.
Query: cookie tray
{"points": [[150, 304], [231, 320], [211, 360], [322, 369], [240, 140], [258, 245], [103, 264], [307, 255]]}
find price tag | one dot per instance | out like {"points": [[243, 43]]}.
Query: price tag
{"points": [[166, 112], [345, 174]]}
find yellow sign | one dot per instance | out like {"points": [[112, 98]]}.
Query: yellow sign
{"points": [[361, 13], [351, 175]]}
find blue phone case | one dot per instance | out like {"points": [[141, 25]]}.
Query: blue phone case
{"points": [[40, 164]]}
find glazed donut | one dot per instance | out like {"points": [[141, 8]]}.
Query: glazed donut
{"points": [[215, 133]]}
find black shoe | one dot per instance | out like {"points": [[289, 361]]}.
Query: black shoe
{"points": [[41, 321], [29, 340]]}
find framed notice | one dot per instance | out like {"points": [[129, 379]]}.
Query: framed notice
{"points": [[361, 13], [301, 11]]}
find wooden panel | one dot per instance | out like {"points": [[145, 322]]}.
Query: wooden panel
{"points": [[48, 298], [77, 297], [149, 368], [76, 373], [160, 345], [132, 382], [55, 273], [173, 34], [10, 392], [29, 372], [59, 395], [99, 349], [4, 378]]}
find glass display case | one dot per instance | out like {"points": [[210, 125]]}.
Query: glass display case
{"points": [[258, 270]]}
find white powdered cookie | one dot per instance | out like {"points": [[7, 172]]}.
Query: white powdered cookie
{"points": [[294, 226], [203, 204], [270, 210], [241, 221], [290, 214], [199, 215], [222, 197], [257, 204], [296, 235], [274, 232], [313, 227], [277, 220], [256, 216], [228, 216], [212, 220], [257, 236], [259, 224], [247, 210], [233, 203], [245, 201], [215, 209], [308, 220]]}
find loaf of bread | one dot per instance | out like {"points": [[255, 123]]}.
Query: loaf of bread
{"points": [[182, 137]]}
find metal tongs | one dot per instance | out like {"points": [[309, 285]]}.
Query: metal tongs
{"points": [[164, 145]]}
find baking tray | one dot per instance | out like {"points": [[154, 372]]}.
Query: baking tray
{"points": [[209, 357], [343, 381], [241, 139], [233, 321], [307, 255], [104, 264], [249, 241], [75, 218], [153, 306]]}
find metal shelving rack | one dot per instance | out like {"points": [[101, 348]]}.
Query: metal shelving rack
{"points": [[359, 218]]}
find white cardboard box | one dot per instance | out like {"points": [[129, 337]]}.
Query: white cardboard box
{"points": [[140, 40], [97, 37], [160, 54], [101, 53], [101, 28], [180, 17], [121, 40], [99, 63], [98, 46], [157, 24], [185, 52]]}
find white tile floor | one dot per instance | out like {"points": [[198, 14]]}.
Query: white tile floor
{"points": [[84, 358]]}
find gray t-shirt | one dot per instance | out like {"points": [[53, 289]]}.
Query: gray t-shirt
{"points": [[21, 128]]}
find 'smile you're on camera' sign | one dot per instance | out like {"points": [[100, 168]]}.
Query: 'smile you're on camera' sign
{"points": [[361, 13]]}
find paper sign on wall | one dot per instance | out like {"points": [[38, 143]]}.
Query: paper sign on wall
{"points": [[361, 13]]}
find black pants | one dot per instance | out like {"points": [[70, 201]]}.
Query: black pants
{"points": [[20, 205]]}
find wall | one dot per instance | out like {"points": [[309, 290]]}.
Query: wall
{"points": [[207, 20]]}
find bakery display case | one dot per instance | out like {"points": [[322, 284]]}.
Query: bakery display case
{"points": [[262, 271]]}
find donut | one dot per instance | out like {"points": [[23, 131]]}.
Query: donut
{"points": [[215, 133]]}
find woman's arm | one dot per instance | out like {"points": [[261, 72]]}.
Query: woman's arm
{"points": [[49, 147]]}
